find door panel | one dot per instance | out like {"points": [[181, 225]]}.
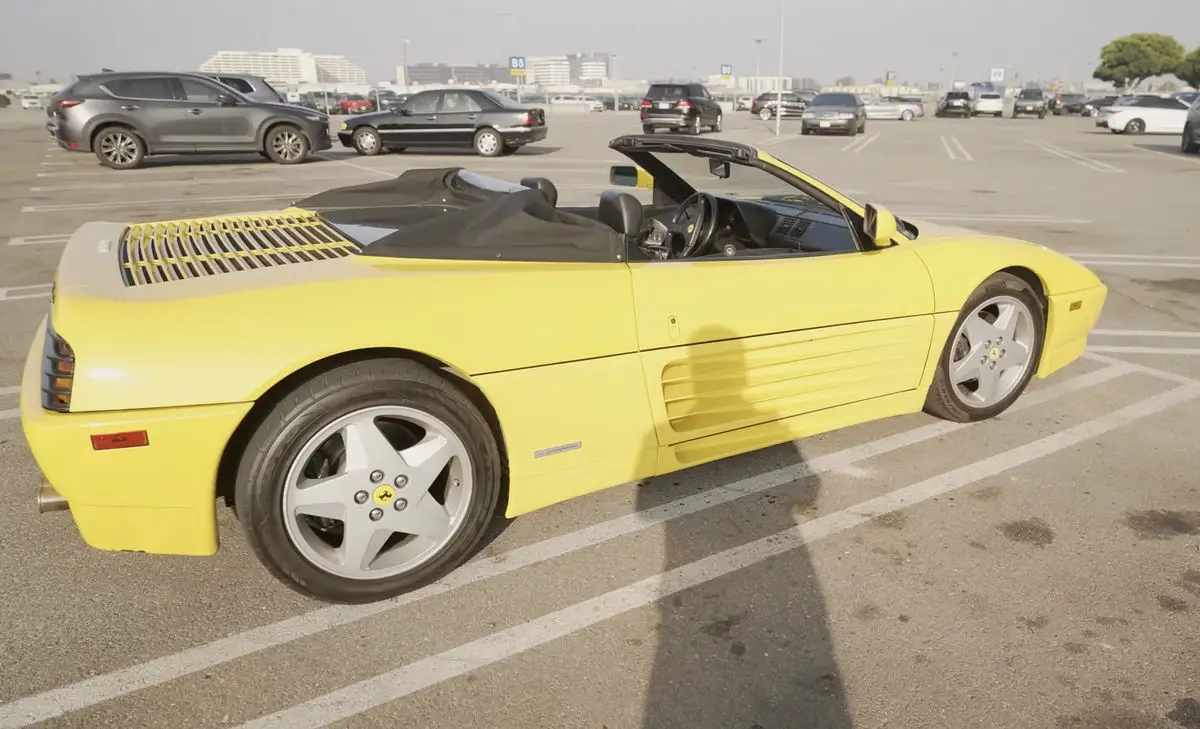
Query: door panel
{"points": [[731, 343], [456, 119], [418, 126]]}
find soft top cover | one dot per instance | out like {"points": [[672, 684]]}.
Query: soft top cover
{"points": [[451, 213]]}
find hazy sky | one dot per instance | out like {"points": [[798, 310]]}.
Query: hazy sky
{"points": [[824, 40]]}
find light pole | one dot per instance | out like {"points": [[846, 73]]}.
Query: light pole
{"points": [[404, 62], [779, 78], [510, 21], [757, 59]]}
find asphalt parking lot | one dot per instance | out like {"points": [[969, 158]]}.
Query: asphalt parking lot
{"points": [[1038, 570]]}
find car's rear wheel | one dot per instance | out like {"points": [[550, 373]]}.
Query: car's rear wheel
{"points": [[368, 481], [1187, 143], [647, 129], [1135, 126], [119, 148], [765, 115], [907, 115], [367, 141], [694, 127], [488, 143], [992, 354], [286, 145], [717, 125]]}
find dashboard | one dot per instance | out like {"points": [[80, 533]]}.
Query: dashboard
{"points": [[770, 226]]}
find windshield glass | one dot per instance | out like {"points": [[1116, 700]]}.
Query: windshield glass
{"points": [[743, 181], [834, 100], [1030, 94], [958, 95], [667, 92], [989, 96], [501, 100]]}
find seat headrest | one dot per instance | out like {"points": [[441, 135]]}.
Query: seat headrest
{"points": [[543, 185], [621, 211]]}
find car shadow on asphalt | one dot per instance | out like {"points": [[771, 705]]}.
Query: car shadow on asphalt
{"points": [[529, 150], [1168, 149], [751, 648]]}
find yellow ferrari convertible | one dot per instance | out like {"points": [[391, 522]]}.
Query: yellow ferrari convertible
{"points": [[370, 376]]}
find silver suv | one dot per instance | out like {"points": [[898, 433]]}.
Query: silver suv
{"points": [[252, 87], [124, 117]]}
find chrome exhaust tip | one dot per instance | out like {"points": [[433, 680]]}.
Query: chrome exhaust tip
{"points": [[50, 500]]}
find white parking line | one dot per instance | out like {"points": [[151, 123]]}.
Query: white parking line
{"points": [[860, 143], [1090, 254], [995, 218], [1164, 333], [1181, 351], [1193, 159], [105, 687], [32, 291], [40, 240], [1133, 264], [1079, 159], [227, 180], [1135, 260], [409, 679], [189, 201], [955, 150]]}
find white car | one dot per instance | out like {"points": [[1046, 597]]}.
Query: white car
{"points": [[592, 104], [31, 102], [1144, 114], [743, 103], [987, 103]]}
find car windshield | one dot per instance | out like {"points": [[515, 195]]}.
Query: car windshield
{"points": [[958, 95], [743, 180], [834, 100], [500, 100], [667, 92], [993, 97], [1032, 94]]}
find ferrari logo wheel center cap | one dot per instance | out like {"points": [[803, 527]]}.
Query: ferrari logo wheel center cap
{"points": [[994, 354], [383, 495]]}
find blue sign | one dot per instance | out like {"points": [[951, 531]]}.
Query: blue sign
{"points": [[516, 62], [726, 70]]}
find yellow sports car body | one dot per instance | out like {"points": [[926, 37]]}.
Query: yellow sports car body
{"points": [[371, 376]]}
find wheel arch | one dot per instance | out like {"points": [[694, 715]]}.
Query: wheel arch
{"points": [[98, 125], [231, 456]]}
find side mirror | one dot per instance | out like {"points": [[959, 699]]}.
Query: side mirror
{"points": [[880, 225], [719, 168], [630, 176], [226, 100]]}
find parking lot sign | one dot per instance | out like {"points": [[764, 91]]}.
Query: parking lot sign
{"points": [[516, 65], [726, 72], [997, 75]]}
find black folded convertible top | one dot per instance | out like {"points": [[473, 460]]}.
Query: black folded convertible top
{"points": [[452, 214]]}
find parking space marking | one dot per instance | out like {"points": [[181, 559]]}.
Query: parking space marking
{"points": [[860, 144], [1172, 155], [955, 149], [1134, 260], [106, 687], [40, 240], [32, 291], [419, 675], [1088, 261], [160, 202], [995, 218], [1077, 158], [1090, 254], [1114, 349], [1164, 333]]}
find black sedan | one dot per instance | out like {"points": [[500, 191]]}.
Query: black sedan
{"points": [[492, 124]]}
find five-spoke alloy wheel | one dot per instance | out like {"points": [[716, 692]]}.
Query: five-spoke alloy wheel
{"points": [[992, 353], [119, 148], [368, 481]]}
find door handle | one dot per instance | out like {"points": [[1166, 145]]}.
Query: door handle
{"points": [[472, 117], [194, 112], [130, 107], [432, 117]]}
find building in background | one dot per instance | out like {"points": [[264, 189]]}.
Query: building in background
{"points": [[590, 69], [548, 70], [479, 74], [288, 67]]}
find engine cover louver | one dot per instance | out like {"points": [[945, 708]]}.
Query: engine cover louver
{"points": [[161, 252]]}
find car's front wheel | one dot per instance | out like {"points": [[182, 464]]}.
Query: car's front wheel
{"points": [[992, 354], [368, 481], [488, 143], [287, 145], [765, 115], [717, 125], [367, 141]]}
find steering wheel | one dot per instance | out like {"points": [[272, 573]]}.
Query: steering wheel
{"points": [[701, 231]]}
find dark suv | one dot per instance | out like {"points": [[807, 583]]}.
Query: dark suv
{"points": [[1030, 101], [124, 117], [681, 107], [954, 103]]}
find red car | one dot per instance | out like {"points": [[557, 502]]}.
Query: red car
{"points": [[356, 104]]}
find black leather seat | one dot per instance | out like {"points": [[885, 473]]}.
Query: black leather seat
{"points": [[543, 185], [621, 211]]}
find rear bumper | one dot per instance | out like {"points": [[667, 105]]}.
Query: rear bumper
{"points": [[160, 498], [669, 121], [821, 125], [1029, 110], [518, 136]]}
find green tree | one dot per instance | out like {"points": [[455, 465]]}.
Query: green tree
{"points": [[1131, 59], [1188, 70]]}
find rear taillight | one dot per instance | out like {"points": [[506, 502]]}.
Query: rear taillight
{"points": [[68, 103], [58, 373], [684, 105], [645, 104], [528, 120]]}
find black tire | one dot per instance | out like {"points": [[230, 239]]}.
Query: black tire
{"points": [[942, 401], [301, 413], [805, 130], [718, 124], [367, 141], [1187, 142], [119, 148], [647, 129], [488, 143], [695, 128], [286, 145], [1135, 126]]}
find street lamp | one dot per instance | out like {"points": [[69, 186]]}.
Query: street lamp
{"points": [[779, 78], [757, 59]]}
